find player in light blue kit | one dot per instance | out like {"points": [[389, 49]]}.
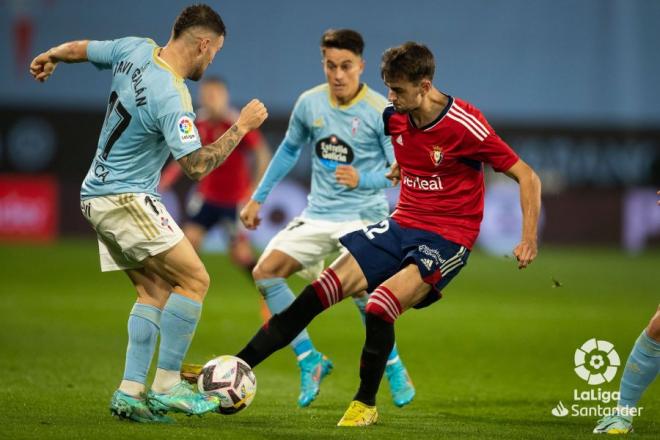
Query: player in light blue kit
{"points": [[149, 117], [342, 122], [642, 367]]}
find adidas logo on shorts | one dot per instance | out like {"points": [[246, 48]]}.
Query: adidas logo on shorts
{"points": [[427, 263]]}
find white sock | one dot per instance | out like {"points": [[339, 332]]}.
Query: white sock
{"points": [[165, 380], [393, 361], [132, 388], [302, 356]]}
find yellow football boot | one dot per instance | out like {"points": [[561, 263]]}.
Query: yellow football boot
{"points": [[359, 414]]}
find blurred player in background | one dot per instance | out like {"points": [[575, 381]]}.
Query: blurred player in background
{"points": [[641, 370], [219, 195], [440, 143], [342, 121], [149, 116]]}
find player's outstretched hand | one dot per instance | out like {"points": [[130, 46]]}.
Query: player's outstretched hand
{"points": [[525, 253], [347, 175], [42, 67], [395, 174], [252, 115], [250, 214]]}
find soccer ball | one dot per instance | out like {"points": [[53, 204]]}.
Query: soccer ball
{"points": [[232, 380]]}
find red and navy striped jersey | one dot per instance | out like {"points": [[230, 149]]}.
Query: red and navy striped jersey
{"points": [[442, 179]]}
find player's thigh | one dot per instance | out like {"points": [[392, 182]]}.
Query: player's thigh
{"points": [[150, 287], [376, 252], [653, 329], [274, 263], [408, 286], [131, 228], [348, 270], [306, 241], [437, 260], [181, 267]]}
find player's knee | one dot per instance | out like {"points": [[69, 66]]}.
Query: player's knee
{"points": [[653, 329], [384, 304], [198, 282], [265, 270]]}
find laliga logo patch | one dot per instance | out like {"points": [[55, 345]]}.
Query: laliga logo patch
{"points": [[437, 155], [596, 361], [186, 130]]}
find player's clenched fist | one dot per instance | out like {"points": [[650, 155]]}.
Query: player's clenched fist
{"points": [[525, 253], [42, 67], [252, 115], [250, 214], [347, 175]]}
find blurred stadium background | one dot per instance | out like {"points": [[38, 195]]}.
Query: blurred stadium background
{"points": [[573, 86]]}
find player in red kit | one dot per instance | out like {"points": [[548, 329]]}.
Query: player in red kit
{"points": [[219, 194], [441, 144]]}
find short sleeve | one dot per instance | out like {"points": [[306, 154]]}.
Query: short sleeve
{"points": [[103, 54], [494, 151], [385, 141], [387, 114], [180, 133], [298, 133]]}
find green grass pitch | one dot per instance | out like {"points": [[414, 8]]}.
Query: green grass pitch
{"points": [[489, 361]]}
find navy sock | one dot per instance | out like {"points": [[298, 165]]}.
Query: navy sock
{"points": [[378, 345]]}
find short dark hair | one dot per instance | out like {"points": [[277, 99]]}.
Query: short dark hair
{"points": [[343, 39], [200, 15], [410, 61]]}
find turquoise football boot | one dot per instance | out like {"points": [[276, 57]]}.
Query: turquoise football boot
{"points": [[614, 424], [136, 409], [182, 399], [401, 386], [313, 368]]}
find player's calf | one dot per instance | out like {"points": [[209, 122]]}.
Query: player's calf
{"points": [[383, 308], [283, 327]]}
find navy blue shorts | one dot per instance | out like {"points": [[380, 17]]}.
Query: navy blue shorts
{"points": [[207, 214], [384, 248]]}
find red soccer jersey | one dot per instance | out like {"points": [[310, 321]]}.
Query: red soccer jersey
{"points": [[228, 184], [442, 179]]}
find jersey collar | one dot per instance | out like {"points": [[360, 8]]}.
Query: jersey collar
{"points": [[161, 62], [361, 94], [437, 120]]}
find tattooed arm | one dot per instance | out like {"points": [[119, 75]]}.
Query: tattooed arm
{"points": [[202, 161]]}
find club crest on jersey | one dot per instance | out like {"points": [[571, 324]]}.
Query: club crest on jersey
{"points": [[437, 155], [355, 125]]}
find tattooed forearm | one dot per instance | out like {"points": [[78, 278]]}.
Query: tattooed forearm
{"points": [[202, 161]]}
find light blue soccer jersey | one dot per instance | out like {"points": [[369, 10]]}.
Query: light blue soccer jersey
{"points": [[149, 116], [349, 134]]}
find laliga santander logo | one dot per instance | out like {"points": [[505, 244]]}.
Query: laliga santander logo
{"points": [[596, 361], [185, 126], [186, 130]]}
